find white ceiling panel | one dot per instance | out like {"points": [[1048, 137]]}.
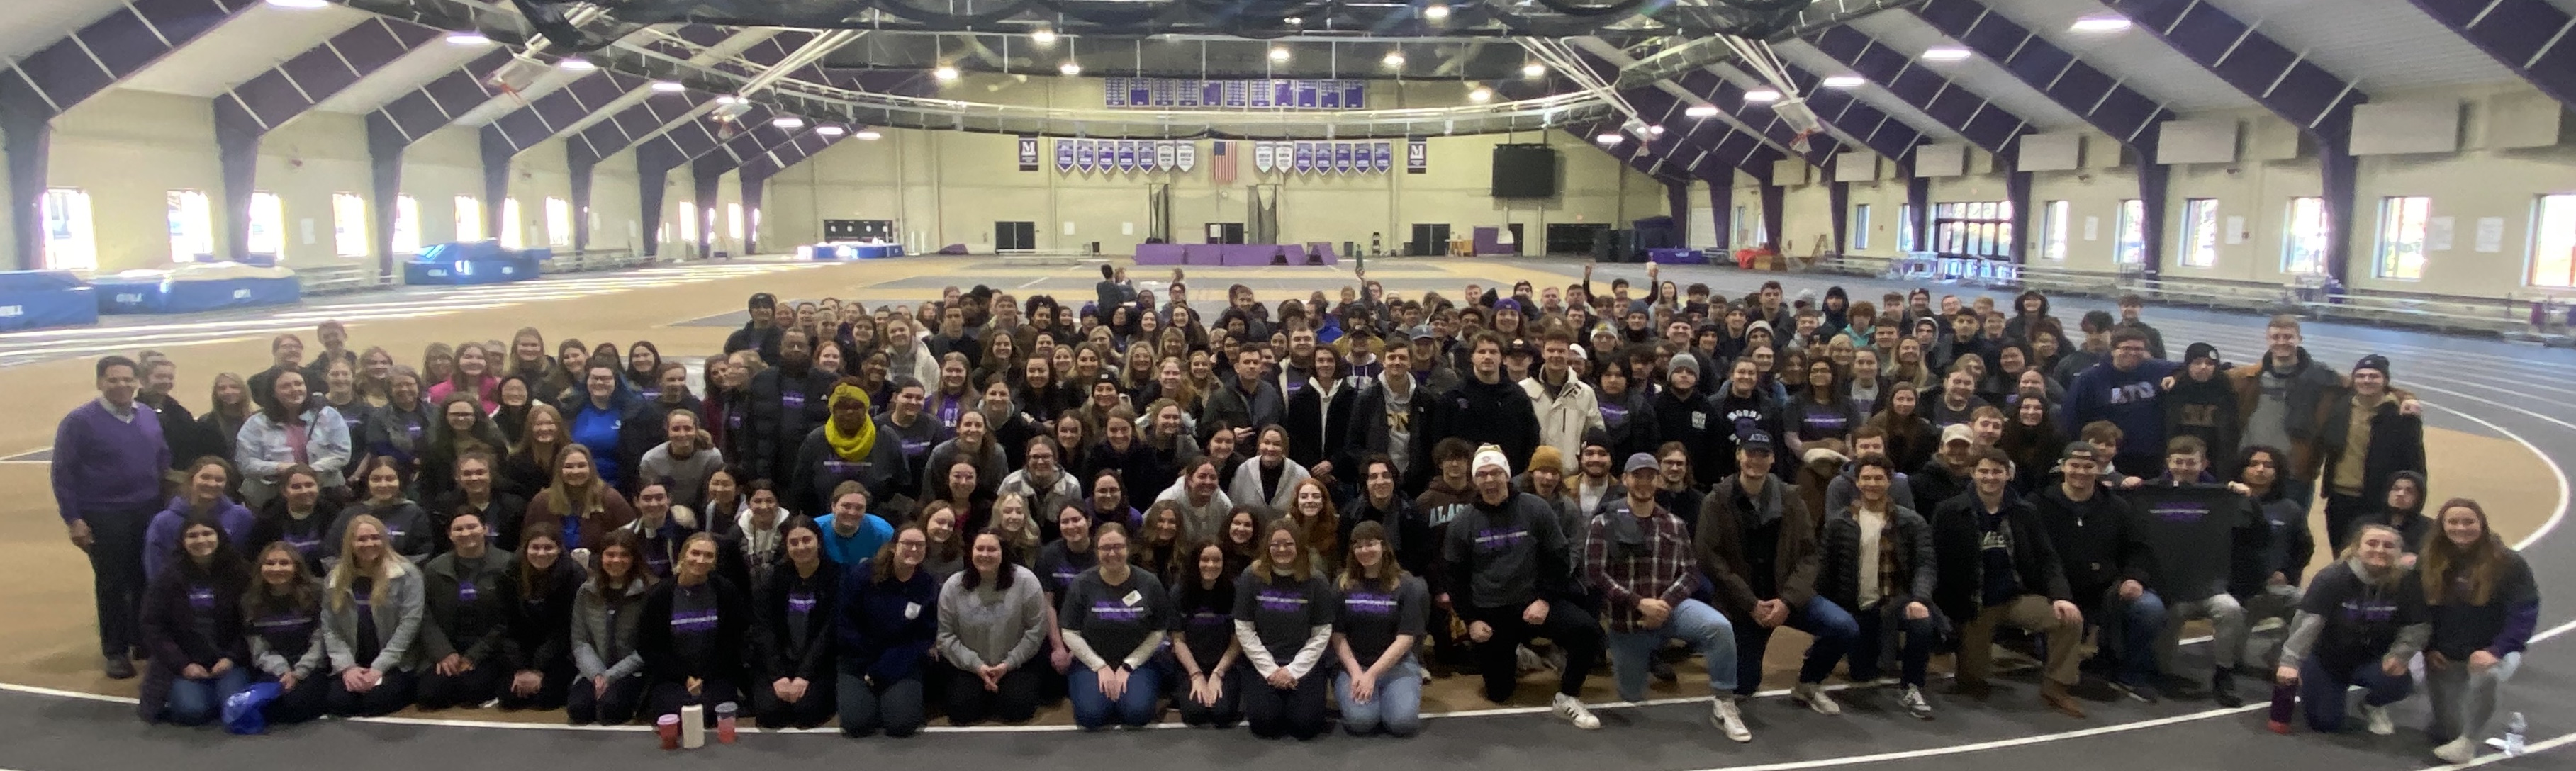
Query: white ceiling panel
{"points": [[1799, 54], [236, 51], [2138, 59], [502, 105], [2354, 38], [1910, 35], [406, 74], [33, 24]]}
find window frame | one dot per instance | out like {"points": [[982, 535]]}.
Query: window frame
{"points": [[2195, 234]]}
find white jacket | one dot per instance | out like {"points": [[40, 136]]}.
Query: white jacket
{"points": [[1564, 416]]}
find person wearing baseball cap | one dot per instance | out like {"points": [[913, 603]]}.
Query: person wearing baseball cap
{"points": [[1997, 566], [2370, 435], [1947, 474], [1757, 542], [1641, 559], [1510, 580], [2105, 561]]}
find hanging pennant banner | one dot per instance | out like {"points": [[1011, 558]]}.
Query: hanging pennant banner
{"points": [[1185, 155], [1305, 157], [1417, 155], [1287, 156], [1341, 157], [1261, 152], [1384, 157], [1063, 155], [1126, 155], [1167, 155], [1028, 153], [1085, 152]]}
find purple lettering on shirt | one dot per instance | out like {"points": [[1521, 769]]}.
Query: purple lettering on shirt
{"points": [[465, 592], [2179, 511], [1113, 610], [201, 597], [1361, 603], [791, 400], [800, 602], [1489, 540], [700, 622], [1291, 600]]}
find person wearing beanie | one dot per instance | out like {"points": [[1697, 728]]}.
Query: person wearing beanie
{"points": [[2280, 401], [1564, 405], [2372, 432], [1485, 408], [2201, 403], [1684, 414], [1509, 580]]}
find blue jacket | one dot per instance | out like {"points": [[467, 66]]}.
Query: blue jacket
{"points": [[885, 630]]}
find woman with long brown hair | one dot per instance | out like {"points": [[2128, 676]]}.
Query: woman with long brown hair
{"points": [[609, 685], [195, 640], [545, 584], [531, 465], [1310, 506], [282, 613], [1283, 614], [1384, 611], [579, 504], [884, 634], [2484, 605]]}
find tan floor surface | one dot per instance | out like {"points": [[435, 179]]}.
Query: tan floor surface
{"points": [[52, 640]]}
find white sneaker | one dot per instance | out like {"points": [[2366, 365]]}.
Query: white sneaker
{"points": [[2459, 750], [1914, 703], [1573, 711], [2380, 724], [1813, 695], [1729, 717]]}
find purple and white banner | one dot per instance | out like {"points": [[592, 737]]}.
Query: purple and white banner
{"points": [[1028, 153], [1085, 153], [1305, 157], [1341, 157], [1261, 154], [1063, 155], [1382, 157]]}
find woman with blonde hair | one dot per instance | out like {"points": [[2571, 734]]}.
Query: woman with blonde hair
{"points": [[1017, 527], [2359, 625], [1283, 614], [1384, 611], [1310, 505], [579, 504], [2484, 605], [372, 610]]}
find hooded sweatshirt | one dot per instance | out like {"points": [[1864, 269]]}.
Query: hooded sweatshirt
{"points": [[2127, 399], [1502, 556], [2346, 620]]}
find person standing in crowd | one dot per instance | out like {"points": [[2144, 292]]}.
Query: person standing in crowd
{"points": [[844, 449], [606, 617], [408, 530], [466, 636], [283, 616], [1566, 407], [2200, 403], [1114, 618], [2362, 620], [1877, 559], [2372, 433], [462, 428], [992, 623], [1283, 613], [1271, 479], [579, 504], [1997, 567], [761, 334], [692, 635], [1757, 542], [285, 354], [192, 631], [1684, 415], [372, 614], [1510, 581], [1485, 408], [783, 404], [2130, 306], [545, 586], [290, 428], [2281, 401], [186, 437], [2124, 390], [598, 422], [885, 627], [1393, 414], [1642, 560], [2483, 605], [1247, 400], [791, 674], [2104, 558]]}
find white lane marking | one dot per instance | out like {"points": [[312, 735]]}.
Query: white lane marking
{"points": [[2498, 757]]}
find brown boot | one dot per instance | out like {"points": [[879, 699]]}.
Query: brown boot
{"points": [[2054, 694]]}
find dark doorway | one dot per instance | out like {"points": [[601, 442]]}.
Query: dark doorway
{"points": [[1574, 238], [858, 230], [1015, 236], [1518, 237], [1430, 239], [1225, 232]]}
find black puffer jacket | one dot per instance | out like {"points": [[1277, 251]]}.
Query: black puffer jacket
{"points": [[784, 406]]}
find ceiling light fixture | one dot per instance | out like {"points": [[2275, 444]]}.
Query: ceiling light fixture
{"points": [[788, 122], [299, 4], [830, 130], [728, 100], [1946, 54], [1845, 81], [869, 134], [1701, 111], [1762, 95], [1293, 21], [468, 39], [945, 72], [1656, 129], [1069, 67], [1279, 53], [1533, 69], [1480, 94], [2101, 23], [668, 86], [576, 64], [1436, 12], [1607, 138], [1042, 37], [1393, 59]]}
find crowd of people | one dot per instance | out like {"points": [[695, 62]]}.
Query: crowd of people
{"points": [[1284, 513]]}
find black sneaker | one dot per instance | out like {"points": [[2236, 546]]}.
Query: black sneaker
{"points": [[2222, 689], [118, 667], [1661, 669]]}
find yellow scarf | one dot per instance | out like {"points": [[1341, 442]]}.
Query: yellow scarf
{"points": [[852, 446]]}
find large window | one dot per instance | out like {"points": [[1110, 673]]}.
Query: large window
{"points": [[469, 219], [192, 225], [688, 222], [558, 222], [2403, 220], [71, 237], [1972, 228], [733, 222], [348, 225], [2052, 229], [1905, 225], [2305, 237], [1743, 229], [406, 235], [512, 236], [2200, 232], [2132, 246], [267, 224], [2553, 242], [1860, 227]]}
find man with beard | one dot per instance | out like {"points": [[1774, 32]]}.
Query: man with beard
{"points": [[1485, 408], [1510, 579], [786, 402], [1247, 401], [1565, 406], [1593, 483]]}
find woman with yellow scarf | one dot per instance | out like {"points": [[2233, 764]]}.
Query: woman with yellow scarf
{"points": [[844, 449]]}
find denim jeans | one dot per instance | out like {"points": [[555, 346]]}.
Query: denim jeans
{"points": [[1396, 706], [1692, 621], [1913, 655], [2321, 690], [1134, 707], [198, 702], [1832, 628], [2137, 625]]}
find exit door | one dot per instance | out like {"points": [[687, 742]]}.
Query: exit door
{"points": [[1015, 236], [1430, 239]]}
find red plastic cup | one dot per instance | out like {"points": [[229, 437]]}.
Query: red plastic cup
{"points": [[669, 727]]}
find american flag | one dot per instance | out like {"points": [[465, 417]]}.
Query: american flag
{"points": [[1221, 161]]}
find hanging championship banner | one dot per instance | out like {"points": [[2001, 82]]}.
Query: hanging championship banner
{"points": [[1185, 155], [1028, 153], [1085, 152], [1305, 157], [1166, 155], [1383, 157], [1126, 155], [1261, 152], [1063, 155], [1341, 157], [1417, 155]]}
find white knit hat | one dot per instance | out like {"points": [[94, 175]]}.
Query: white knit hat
{"points": [[1490, 455]]}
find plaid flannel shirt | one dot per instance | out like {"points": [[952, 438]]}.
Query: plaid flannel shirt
{"points": [[1664, 569]]}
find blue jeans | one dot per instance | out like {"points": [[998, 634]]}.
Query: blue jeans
{"points": [[198, 702], [1134, 708], [1820, 618], [1692, 621], [1913, 655], [1396, 706], [2322, 690], [2139, 623]]}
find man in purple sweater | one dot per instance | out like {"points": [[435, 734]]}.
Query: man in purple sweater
{"points": [[108, 459]]}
